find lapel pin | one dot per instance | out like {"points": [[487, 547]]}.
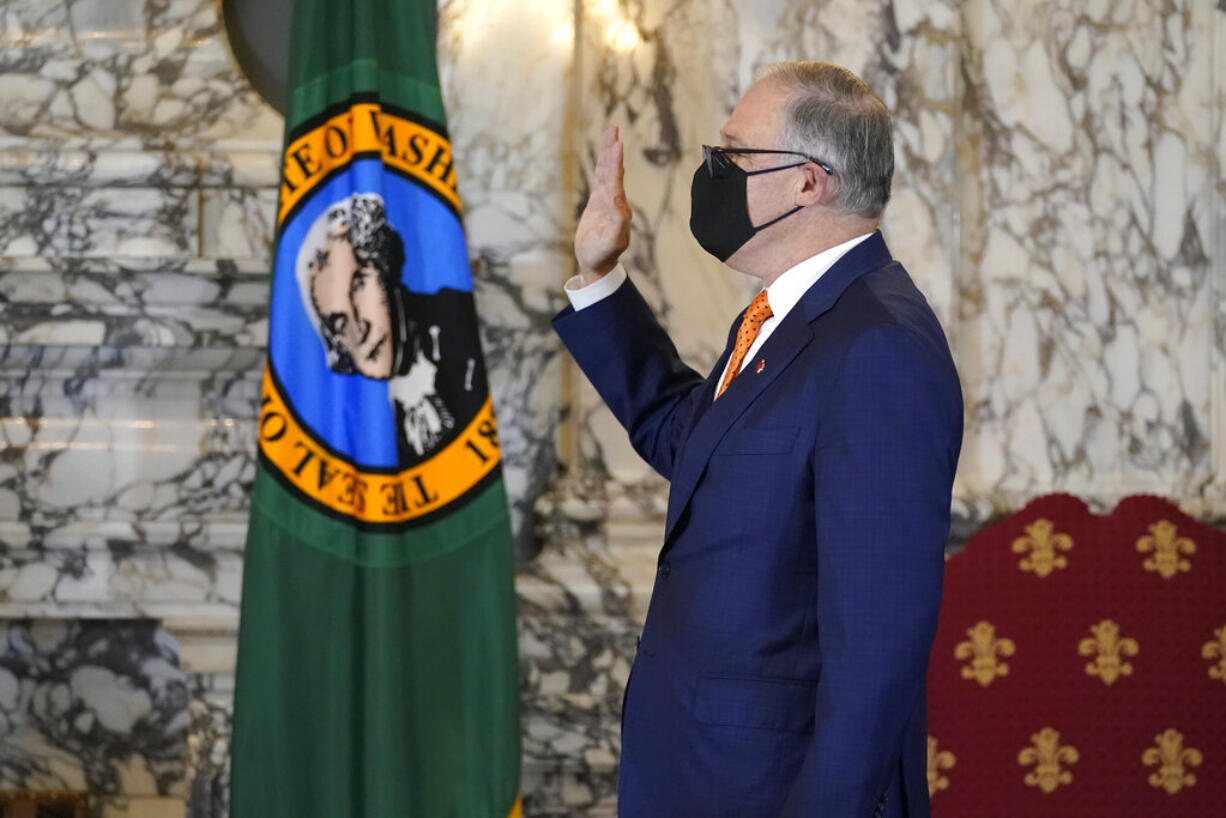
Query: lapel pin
{"points": [[761, 365]]}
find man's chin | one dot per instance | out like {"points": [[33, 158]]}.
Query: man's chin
{"points": [[378, 369], [375, 361]]}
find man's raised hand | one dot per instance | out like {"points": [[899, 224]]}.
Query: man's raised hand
{"points": [[603, 233]]}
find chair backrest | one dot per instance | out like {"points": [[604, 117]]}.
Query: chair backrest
{"points": [[1079, 667]]}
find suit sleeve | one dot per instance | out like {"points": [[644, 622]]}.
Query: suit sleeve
{"points": [[883, 465], [629, 358]]}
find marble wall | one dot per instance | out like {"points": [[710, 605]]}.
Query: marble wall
{"points": [[1091, 252], [1059, 197], [94, 706], [137, 180]]}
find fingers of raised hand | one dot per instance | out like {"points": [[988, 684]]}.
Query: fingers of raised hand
{"points": [[620, 166], [609, 159]]}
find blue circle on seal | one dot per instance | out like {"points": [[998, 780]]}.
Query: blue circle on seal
{"points": [[350, 413]]}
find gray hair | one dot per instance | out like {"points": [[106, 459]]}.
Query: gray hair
{"points": [[362, 219], [833, 115]]}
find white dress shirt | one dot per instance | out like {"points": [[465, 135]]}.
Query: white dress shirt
{"points": [[782, 293]]}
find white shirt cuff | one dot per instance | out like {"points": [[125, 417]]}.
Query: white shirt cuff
{"points": [[603, 287]]}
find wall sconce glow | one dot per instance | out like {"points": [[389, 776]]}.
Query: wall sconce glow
{"points": [[624, 37], [486, 21], [563, 36], [604, 8]]}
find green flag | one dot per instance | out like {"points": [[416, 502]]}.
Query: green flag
{"points": [[377, 660]]}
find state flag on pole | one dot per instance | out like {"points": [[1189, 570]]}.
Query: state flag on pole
{"points": [[377, 657]]}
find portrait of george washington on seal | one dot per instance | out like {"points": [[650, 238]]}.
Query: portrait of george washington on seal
{"points": [[424, 345]]}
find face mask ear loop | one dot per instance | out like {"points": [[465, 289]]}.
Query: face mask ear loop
{"points": [[778, 218], [772, 170]]}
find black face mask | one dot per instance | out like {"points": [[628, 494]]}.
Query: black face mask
{"points": [[719, 214]]}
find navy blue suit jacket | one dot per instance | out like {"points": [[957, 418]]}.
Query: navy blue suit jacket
{"points": [[781, 667]]}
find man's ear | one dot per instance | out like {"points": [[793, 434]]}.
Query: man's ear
{"points": [[816, 186]]}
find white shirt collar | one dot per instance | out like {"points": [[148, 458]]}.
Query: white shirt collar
{"points": [[786, 290]]}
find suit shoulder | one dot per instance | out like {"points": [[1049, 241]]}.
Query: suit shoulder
{"points": [[885, 307], [888, 294]]}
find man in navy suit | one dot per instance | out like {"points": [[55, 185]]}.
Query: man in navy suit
{"points": [[781, 667]]}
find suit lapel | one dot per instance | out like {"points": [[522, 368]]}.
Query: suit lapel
{"points": [[712, 382], [706, 396], [783, 345], [712, 420]]}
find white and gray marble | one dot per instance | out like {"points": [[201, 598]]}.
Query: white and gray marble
{"points": [[1059, 197], [507, 116], [1092, 215], [97, 706]]}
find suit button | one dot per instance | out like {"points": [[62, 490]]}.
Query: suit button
{"points": [[665, 569]]}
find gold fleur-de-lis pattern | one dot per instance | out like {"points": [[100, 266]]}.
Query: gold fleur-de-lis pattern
{"points": [[1216, 649], [938, 760], [1042, 546], [1172, 759], [1167, 549], [1102, 666], [1108, 649], [982, 648], [1047, 755]]}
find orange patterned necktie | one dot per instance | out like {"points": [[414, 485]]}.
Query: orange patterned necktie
{"points": [[759, 310]]}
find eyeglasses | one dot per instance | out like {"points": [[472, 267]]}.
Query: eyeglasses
{"points": [[719, 165]]}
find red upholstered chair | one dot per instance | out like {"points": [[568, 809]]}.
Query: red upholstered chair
{"points": [[1079, 668]]}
